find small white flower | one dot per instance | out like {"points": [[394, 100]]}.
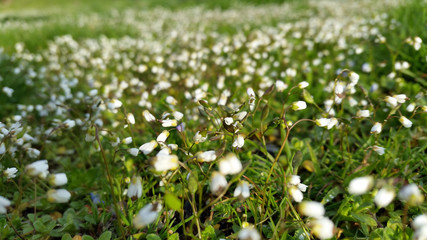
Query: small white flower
{"points": [[163, 136], [378, 149], [147, 148], [249, 233], [133, 151], [242, 190], [391, 100], [169, 123], [114, 104], [89, 138], [148, 116], [281, 86], [2, 148], [147, 215], [333, 122], [131, 118], [207, 156], [38, 169], [411, 194], [294, 180], [240, 115], [58, 196], [228, 120], [199, 138], [239, 141], [420, 234], [8, 91], [400, 98], [295, 193], [410, 107], [384, 197], [218, 183], [377, 128], [323, 228], [4, 203], [10, 173], [363, 113], [135, 187], [230, 165], [322, 122], [165, 162], [419, 221], [127, 140], [311, 209], [299, 105], [354, 77], [303, 84], [405, 122], [250, 92], [57, 179], [69, 123], [177, 115], [360, 185]]}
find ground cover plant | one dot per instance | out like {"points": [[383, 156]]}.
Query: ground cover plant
{"points": [[241, 120]]}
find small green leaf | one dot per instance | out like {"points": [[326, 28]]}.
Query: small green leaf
{"points": [[105, 236], [307, 96], [174, 236], [193, 184], [330, 195], [364, 218], [153, 236], [66, 236], [87, 237], [208, 233], [172, 201], [39, 226]]}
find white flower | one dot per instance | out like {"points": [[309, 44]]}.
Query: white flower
{"points": [[131, 118], [147, 148], [127, 140], [354, 77], [333, 122], [311, 209], [8, 91], [391, 100], [400, 98], [10, 173], [240, 115], [299, 105], [147, 215], [378, 149], [228, 120], [135, 187], [133, 151], [89, 138], [411, 194], [165, 162], [114, 104], [405, 122], [177, 115], [410, 107], [58, 196], [384, 197], [69, 123], [339, 89], [242, 190], [218, 183], [363, 113], [249, 233], [377, 128], [420, 234], [295, 193], [2, 148], [281, 86], [207, 156], [230, 164], [148, 116], [239, 141], [323, 228], [303, 84], [33, 153], [163, 136], [169, 123], [419, 221], [38, 169], [250, 92], [360, 185], [294, 180], [322, 122], [199, 138], [57, 179], [4, 203]]}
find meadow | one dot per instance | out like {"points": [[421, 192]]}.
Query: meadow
{"points": [[212, 119]]}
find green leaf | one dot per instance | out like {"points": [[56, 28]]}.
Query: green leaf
{"points": [[208, 233], [172, 201], [174, 236], [153, 236], [364, 218], [66, 236], [193, 184], [330, 195], [87, 237], [39, 226], [105, 236], [307, 96]]}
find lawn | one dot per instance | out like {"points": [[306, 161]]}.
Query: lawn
{"points": [[213, 119]]}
